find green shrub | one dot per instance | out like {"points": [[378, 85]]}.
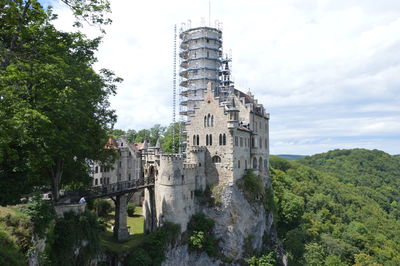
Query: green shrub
{"points": [[153, 248], [265, 260], [252, 186], [41, 213], [139, 257], [196, 240], [201, 237], [9, 252], [131, 210], [103, 207], [69, 233]]}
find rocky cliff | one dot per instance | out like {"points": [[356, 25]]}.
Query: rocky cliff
{"points": [[240, 226]]}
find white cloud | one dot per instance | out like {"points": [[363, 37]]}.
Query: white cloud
{"points": [[326, 70]]}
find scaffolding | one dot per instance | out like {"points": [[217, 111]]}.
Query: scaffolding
{"points": [[174, 93], [201, 61]]}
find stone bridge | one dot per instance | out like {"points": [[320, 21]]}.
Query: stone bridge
{"points": [[120, 192]]}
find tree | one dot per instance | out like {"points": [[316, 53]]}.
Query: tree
{"points": [[53, 105], [170, 140]]}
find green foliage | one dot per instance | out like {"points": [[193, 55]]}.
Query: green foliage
{"points": [[336, 208], [170, 139], [15, 236], [131, 210], [41, 213], [103, 207], [196, 240], [201, 237], [46, 79], [74, 240], [10, 254], [265, 260], [153, 248], [252, 186]]}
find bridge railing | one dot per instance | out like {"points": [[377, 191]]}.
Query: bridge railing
{"points": [[122, 186]]}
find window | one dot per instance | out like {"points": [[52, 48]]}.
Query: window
{"points": [[210, 139], [198, 140], [216, 159], [205, 121], [96, 169], [101, 181], [245, 164], [120, 164], [260, 163], [253, 144], [207, 140], [212, 120], [236, 141], [254, 163], [220, 139], [122, 144], [130, 154], [241, 142], [195, 55], [208, 54], [129, 177], [260, 143], [245, 142], [194, 140], [238, 163], [96, 182], [224, 139], [208, 40], [265, 164], [266, 143], [208, 120]]}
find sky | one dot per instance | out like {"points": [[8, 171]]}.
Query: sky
{"points": [[327, 71]]}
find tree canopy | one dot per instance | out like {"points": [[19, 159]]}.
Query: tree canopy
{"points": [[54, 106], [338, 208]]}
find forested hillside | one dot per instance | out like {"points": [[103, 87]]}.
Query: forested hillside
{"points": [[339, 208]]}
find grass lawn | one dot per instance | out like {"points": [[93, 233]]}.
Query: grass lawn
{"points": [[136, 230]]}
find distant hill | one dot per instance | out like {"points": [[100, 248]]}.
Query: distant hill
{"points": [[290, 157], [341, 207]]}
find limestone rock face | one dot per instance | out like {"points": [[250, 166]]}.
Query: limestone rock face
{"points": [[236, 220]]}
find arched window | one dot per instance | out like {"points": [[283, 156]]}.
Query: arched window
{"points": [[220, 139], [205, 121], [216, 159], [224, 139], [212, 120], [194, 140], [208, 120], [254, 163], [198, 140], [210, 139], [265, 164], [96, 182], [207, 140], [260, 163]]}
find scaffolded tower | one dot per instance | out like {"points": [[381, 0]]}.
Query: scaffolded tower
{"points": [[201, 62]]}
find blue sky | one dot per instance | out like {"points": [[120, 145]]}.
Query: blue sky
{"points": [[327, 71]]}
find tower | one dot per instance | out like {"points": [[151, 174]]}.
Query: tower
{"points": [[200, 63]]}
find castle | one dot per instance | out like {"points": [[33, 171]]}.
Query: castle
{"points": [[226, 131]]}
